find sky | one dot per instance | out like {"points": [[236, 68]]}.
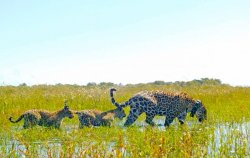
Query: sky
{"points": [[82, 41]]}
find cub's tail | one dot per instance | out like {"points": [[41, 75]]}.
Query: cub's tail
{"points": [[19, 119], [122, 105]]}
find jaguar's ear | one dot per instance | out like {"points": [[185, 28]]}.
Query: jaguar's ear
{"points": [[198, 102], [195, 108]]}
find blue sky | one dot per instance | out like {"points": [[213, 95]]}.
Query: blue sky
{"points": [[76, 42]]}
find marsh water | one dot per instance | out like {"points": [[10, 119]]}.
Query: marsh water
{"points": [[227, 135]]}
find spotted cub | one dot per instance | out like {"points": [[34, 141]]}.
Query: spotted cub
{"points": [[44, 118], [99, 118]]}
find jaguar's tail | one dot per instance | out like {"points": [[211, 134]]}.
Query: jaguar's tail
{"points": [[122, 105]]}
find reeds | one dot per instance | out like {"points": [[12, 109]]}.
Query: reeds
{"points": [[224, 134]]}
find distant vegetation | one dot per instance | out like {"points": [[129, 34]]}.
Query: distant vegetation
{"points": [[202, 81]]}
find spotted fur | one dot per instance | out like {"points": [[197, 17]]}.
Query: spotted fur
{"points": [[44, 118], [99, 118], [170, 105]]}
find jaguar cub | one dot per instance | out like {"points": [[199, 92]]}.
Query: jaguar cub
{"points": [[44, 118], [99, 118]]}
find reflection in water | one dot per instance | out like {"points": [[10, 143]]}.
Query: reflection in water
{"points": [[229, 136]]}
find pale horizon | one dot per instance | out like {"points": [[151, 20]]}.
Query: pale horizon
{"points": [[124, 42], [119, 84]]}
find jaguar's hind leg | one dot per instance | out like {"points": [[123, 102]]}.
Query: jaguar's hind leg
{"points": [[133, 115], [181, 117], [130, 120], [169, 118], [30, 121]]}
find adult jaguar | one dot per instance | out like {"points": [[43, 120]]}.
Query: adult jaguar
{"points": [[154, 103]]}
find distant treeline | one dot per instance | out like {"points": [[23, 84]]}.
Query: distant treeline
{"points": [[196, 81], [202, 81]]}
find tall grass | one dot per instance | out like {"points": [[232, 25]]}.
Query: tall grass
{"points": [[225, 133]]}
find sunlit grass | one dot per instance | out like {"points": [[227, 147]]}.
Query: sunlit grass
{"points": [[225, 133]]}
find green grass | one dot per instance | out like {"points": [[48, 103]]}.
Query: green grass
{"points": [[224, 134]]}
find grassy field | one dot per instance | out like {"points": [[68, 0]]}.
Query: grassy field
{"points": [[226, 133]]}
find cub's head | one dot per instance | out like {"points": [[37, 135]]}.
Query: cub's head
{"points": [[119, 113], [67, 112]]}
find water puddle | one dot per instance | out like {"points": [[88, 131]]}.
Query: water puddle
{"points": [[229, 136]]}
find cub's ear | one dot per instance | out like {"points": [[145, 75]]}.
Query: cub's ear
{"points": [[66, 107], [112, 89], [76, 112]]}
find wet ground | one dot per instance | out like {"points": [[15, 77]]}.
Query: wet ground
{"points": [[233, 135]]}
